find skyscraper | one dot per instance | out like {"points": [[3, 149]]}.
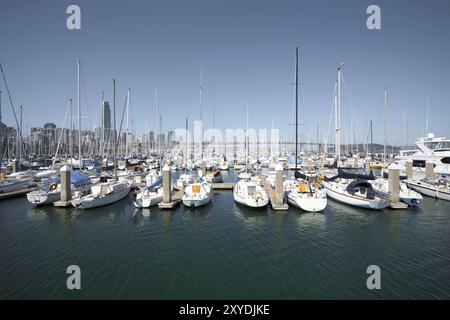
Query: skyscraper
{"points": [[106, 120]]}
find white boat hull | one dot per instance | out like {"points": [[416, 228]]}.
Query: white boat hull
{"points": [[40, 198], [430, 190], [94, 202], [11, 185], [355, 201], [307, 202], [148, 199]]}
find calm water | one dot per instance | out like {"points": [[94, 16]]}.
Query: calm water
{"points": [[223, 251]]}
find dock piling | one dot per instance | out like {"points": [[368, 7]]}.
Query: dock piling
{"points": [[429, 169], [66, 192], [409, 169]]}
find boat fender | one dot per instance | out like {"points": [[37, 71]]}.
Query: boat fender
{"points": [[52, 186]]}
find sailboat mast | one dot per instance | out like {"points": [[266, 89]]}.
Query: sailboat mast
{"points": [[102, 147], [79, 115], [201, 111], [247, 143], [338, 116], [186, 155], [296, 110], [385, 125], [128, 123], [159, 128], [114, 119], [70, 129], [20, 143]]}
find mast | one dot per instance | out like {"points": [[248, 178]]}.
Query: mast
{"points": [[103, 125], [70, 129], [338, 116], [20, 143], [427, 115], [385, 124], [159, 128], [79, 115], [247, 142], [186, 155], [114, 119], [128, 111], [201, 111], [296, 173], [371, 138]]}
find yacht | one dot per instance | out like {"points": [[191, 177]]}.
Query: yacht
{"points": [[430, 148]]}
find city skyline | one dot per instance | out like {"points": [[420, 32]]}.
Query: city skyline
{"points": [[165, 45]]}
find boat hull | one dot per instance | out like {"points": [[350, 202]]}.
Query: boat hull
{"points": [[41, 198], [430, 191], [148, 200], [375, 204], [90, 202], [307, 203]]}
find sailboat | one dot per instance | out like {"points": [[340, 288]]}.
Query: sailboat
{"points": [[111, 191], [407, 195], [197, 194], [301, 193], [248, 191], [152, 194], [435, 187], [51, 192]]}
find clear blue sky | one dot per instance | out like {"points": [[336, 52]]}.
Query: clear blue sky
{"points": [[247, 51]]}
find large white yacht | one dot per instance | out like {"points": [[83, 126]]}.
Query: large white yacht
{"points": [[432, 149]]}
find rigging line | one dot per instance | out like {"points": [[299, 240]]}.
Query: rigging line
{"points": [[12, 107], [60, 136], [331, 114], [121, 122], [352, 110]]}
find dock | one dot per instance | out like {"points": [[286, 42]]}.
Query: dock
{"points": [[223, 186], [276, 205], [175, 200]]}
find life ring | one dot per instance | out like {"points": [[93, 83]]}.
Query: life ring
{"points": [[53, 186]]}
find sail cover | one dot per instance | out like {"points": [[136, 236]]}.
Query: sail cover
{"points": [[358, 184]]}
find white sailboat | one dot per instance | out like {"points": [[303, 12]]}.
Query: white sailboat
{"points": [[80, 185], [250, 193], [300, 192], [112, 190], [103, 194], [197, 194], [354, 192], [152, 194], [15, 184], [436, 188], [407, 195]]}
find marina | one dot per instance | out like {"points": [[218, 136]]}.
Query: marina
{"points": [[225, 151]]}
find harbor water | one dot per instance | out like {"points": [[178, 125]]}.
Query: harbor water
{"points": [[224, 251]]}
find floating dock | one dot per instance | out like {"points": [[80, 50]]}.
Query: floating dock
{"points": [[276, 205], [175, 200], [223, 186]]}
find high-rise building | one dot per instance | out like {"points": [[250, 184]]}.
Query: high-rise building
{"points": [[106, 120]]}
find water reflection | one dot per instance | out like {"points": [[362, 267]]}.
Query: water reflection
{"points": [[252, 217]]}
